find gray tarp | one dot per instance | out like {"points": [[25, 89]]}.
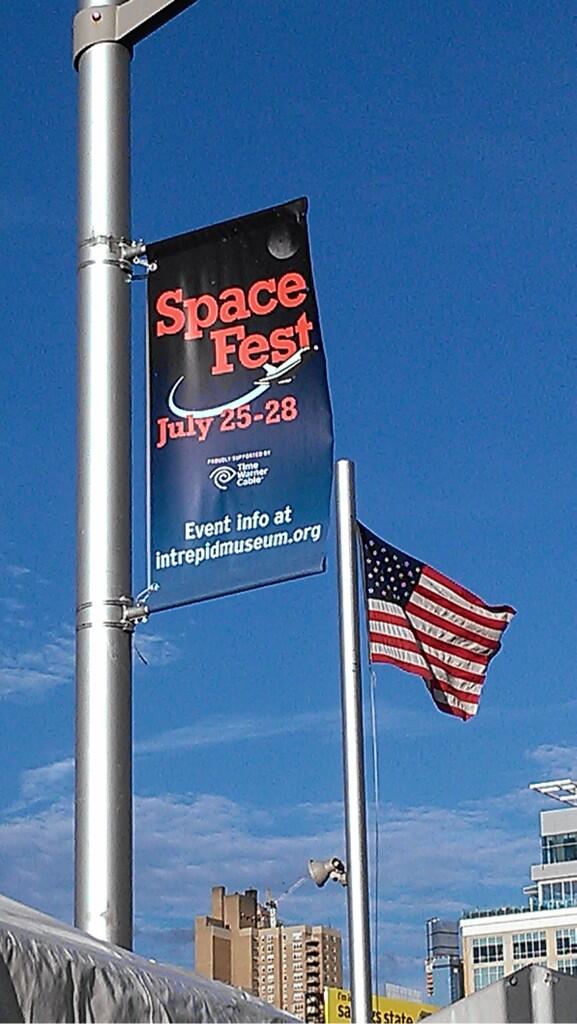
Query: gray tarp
{"points": [[533, 993], [50, 971]]}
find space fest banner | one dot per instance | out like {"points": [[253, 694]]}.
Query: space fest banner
{"points": [[240, 439]]}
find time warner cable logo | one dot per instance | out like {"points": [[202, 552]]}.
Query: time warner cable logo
{"points": [[222, 477], [244, 474]]}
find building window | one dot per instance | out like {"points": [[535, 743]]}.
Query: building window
{"points": [[568, 966], [566, 939], [559, 894], [529, 945], [487, 949], [559, 848], [483, 976]]}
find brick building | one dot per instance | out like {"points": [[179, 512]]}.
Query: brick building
{"points": [[242, 943]]}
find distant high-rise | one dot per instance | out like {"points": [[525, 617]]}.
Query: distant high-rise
{"points": [[443, 966], [242, 943]]}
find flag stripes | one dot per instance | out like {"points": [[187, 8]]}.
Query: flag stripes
{"points": [[425, 623]]}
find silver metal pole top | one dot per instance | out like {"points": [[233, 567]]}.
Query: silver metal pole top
{"points": [[121, 21]]}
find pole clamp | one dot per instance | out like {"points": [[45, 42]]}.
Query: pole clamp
{"points": [[109, 613], [125, 23], [115, 252]]}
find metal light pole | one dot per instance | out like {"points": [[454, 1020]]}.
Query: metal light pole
{"points": [[104, 34], [353, 751]]}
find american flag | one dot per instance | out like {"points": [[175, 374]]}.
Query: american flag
{"points": [[423, 622]]}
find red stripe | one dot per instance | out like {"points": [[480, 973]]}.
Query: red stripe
{"points": [[414, 646], [463, 592], [406, 666], [395, 641], [450, 709], [464, 613], [396, 620], [431, 641], [448, 626], [432, 682], [442, 645], [454, 671], [469, 698]]}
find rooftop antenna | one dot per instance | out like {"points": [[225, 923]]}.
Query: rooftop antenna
{"points": [[563, 790]]}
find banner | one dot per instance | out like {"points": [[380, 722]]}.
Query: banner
{"points": [[240, 443], [385, 1011]]}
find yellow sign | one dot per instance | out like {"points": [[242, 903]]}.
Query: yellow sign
{"points": [[385, 1011]]}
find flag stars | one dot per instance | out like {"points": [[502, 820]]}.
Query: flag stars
{"points": [[392, 574]]}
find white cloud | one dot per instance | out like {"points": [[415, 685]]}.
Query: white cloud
{"points": [[155, 649], [221, 729], [226, 729], [17, 571], [184, 845], [48, 781], [34, 671], [39, 669], [434, 861], [555, 761], [36, 862], [12, 604]]}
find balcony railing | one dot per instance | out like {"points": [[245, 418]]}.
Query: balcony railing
{"points": [[532, 906]]}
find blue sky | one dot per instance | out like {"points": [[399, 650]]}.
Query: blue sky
{"points": [[436, 145]]}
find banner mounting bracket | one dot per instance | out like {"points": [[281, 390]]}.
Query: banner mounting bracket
{"points": [[116, 252], [139, 258], [135, 610], [133, 254]]}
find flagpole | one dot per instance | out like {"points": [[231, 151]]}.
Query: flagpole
{"points": [[353, 746]]}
